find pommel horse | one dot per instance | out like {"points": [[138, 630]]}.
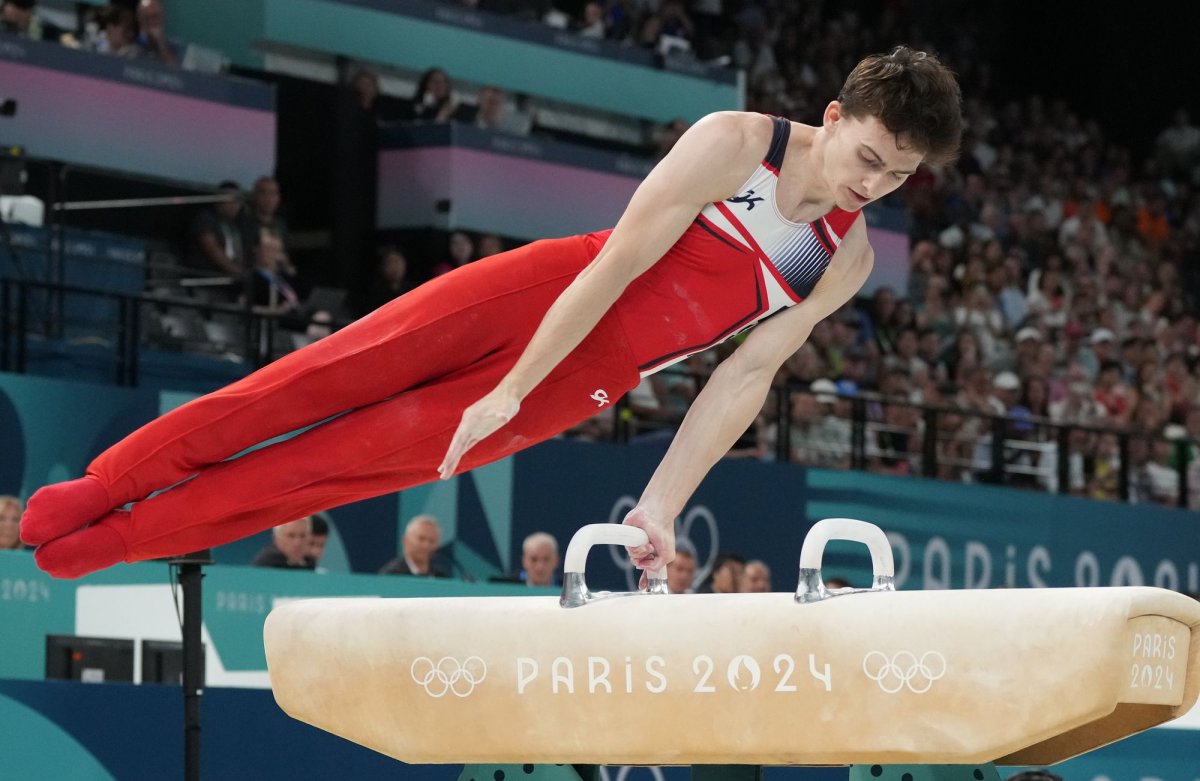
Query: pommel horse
{"points": [[873, 678]]}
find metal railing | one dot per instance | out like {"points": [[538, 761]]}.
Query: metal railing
{"points": [[868, 431], [872, 432], [31, 310]]}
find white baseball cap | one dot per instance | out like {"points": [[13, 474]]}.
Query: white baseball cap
{"points": [[1006, 381], [825, 390]]}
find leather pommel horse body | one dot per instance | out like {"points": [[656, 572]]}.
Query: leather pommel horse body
{"points": [[856, 676]]}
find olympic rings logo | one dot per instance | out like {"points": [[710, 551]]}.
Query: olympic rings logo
{"points": [[904, 669], [448, 675]]}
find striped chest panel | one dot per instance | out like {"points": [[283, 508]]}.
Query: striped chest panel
{"points": [[737, 264], [794, 255]]}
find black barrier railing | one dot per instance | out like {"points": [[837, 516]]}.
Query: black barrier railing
{"points": [[872, 432], [252, 332], [868, 431]]}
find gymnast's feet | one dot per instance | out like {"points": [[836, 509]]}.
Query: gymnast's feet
{"points": [[62, 508], [86, 550]]}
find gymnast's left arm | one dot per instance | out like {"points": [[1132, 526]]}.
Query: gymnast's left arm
{"points": [[733, 397]]}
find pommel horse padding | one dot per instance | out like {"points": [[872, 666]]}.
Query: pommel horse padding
{"points": [[853, 676]]}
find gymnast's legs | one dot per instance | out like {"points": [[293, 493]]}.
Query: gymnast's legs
{"points": [[390, 389]]}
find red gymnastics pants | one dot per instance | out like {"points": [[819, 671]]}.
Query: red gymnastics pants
{"points": [[391, 389]]}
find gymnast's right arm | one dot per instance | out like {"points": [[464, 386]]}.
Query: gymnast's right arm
{"points": [[709, 163]]}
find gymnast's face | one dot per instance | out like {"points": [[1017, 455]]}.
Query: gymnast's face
{"points": [[862, 161]]}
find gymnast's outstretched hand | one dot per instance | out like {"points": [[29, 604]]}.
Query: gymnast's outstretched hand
{"points": [[479, 420], [660, 550]]}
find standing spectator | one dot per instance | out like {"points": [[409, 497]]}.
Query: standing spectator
{"points": [[289, 546], [422, 536], [217, 240], [10, 523], [756, 578], [391, 279]]}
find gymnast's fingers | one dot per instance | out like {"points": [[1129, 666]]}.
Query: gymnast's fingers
{"points": [[479, 420], [458, 445]]}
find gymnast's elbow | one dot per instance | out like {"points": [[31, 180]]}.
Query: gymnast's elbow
{"points": [[747, 374]]}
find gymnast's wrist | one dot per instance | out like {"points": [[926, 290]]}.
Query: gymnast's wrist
{"points": [[511, 387]]}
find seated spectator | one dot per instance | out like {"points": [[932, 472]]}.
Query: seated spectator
{"points": [[1113, 395], [726, 575], [317, 538], [10, 523], [681, 572], [492, 113], [817, 438], [264, 213], [756, 578], [273, 288], [434, 99], [489, 244], [216, 241], [461, 252], [422, 536], [289, 546], [591, 21], [667, 136], [152, 39], [20, 17], [1104, 482], [391, 279], [1078, 405], [1179, 146], [539, 561], [118, 33], [1159, 475]]}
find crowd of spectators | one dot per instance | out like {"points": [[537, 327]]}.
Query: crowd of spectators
{"points": [[128, 29], [1054, 277], [1053, 272]]}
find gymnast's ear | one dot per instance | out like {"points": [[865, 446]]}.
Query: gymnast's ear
{"points": [[833, 114]]}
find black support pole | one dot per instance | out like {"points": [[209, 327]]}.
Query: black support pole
{"points": [[190, 576]]}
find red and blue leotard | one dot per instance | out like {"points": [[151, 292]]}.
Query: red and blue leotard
{"points": [[392, 386]]}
